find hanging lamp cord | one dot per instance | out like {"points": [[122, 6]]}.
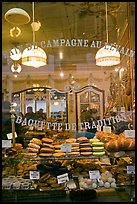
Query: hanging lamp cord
{"points": [[33, 10], [106, 22]]}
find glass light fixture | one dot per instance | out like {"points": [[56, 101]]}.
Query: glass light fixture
{"points": [[34, 57], [15, 54], [16, 68], [107, 55]]}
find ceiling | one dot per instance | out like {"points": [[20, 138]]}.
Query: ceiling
{"points": [[68, 20]]}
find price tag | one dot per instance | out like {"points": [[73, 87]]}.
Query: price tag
{"points": [[107, 129], [130, 169], [129, 133], [9, 135], [62, 178], [6, 143], [34, 175], [94, 174], [66, 147]]}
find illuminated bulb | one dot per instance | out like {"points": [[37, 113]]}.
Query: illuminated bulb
{"points": [[116, 70], [61, 55], [122, 69], [56, 103], [61, 74], [15, 75]]}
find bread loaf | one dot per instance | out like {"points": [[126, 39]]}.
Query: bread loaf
{"points": [[42, 150], [47, 140], [32, 145], [48, 145], [36, 141], [29, 149]]}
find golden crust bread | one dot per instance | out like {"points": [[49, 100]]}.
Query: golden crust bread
{"points": [[45, 154], [59, 154], [47, 140], [45, 149], [48, 145], [36, 141], [32, 145]]}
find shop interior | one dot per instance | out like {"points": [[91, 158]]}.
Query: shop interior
{"points": [[69, 77]]}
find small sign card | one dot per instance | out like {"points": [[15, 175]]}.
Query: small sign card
{"points": [[94, 174], [130, 169], [6, 143], [62, 178], [66, 147], [129, 133], [34, 175], [9, 135], [107, 129]]}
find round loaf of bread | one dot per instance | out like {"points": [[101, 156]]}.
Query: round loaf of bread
{"points": [[98, 149], [129, 144], [97, 144], [85, 144], [46, 140], [86, 153], [57, 146], [75, 144], [46, 149], [59, 154], [113, 145], [29, 149], [73, 153], [85, 149], [32, 145], [30, 155], [82, 139], [71, 140], [36, 141], [45, 154], [98, 153], [47, 145]]}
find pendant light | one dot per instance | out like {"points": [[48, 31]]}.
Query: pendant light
{"points": [[34, 56], [107, 55]]}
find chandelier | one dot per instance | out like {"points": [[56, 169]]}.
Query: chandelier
{"points": [[34, 56], [107, 55]]}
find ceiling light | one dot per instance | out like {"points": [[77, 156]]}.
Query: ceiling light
{"points": [[16, 68], [15, 54], [61, 55], [122, 69], [116, 70], [17, 16], [34, 57], [56, 103], [61, 74], [107, 55]]}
